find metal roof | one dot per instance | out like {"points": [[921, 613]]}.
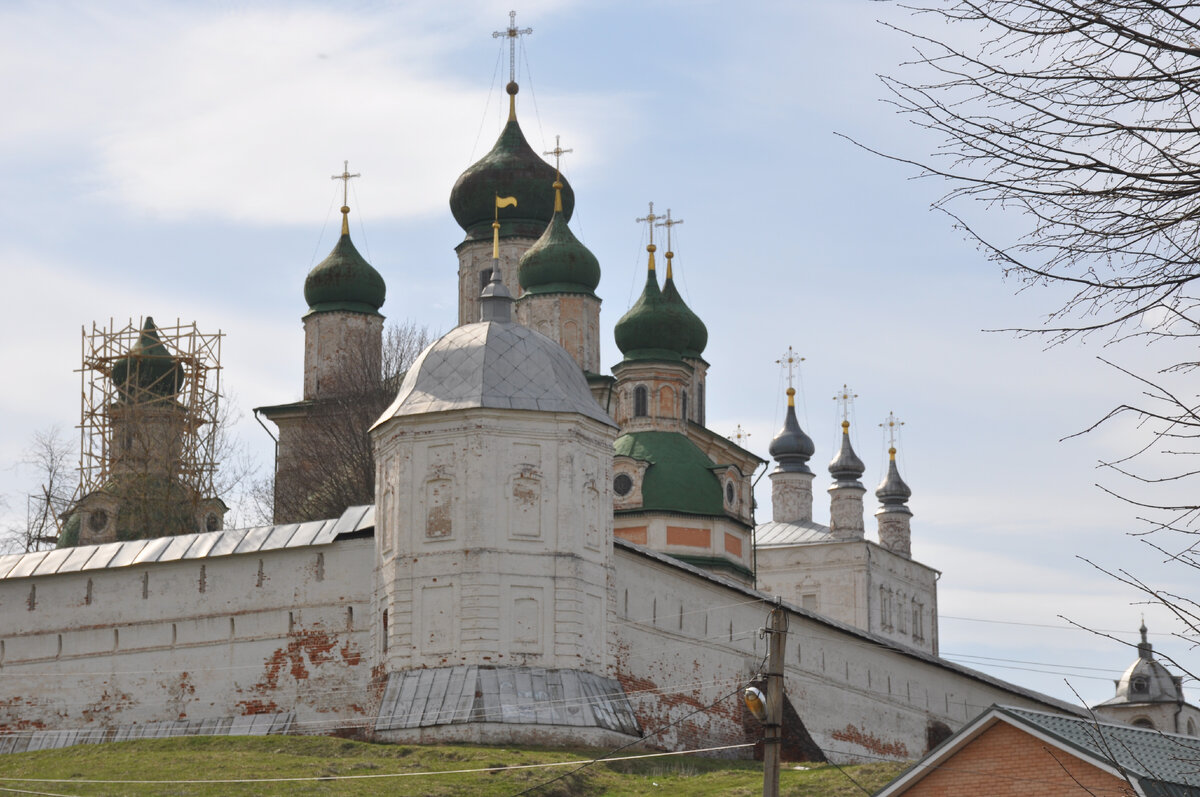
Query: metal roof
{"points": [[1142, 752], [772, 533], [496, 365], [186, 546]]}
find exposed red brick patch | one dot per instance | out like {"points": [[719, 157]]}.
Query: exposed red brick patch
{"points": [[871, 742]]}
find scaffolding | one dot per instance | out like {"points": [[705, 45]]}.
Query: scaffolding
{"points": [[194, 390]]}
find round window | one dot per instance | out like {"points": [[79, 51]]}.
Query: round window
{"points": [[729, 492], [98, 520], [622, 484], [1139, 684]]}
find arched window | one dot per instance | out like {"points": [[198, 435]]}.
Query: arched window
{"points": [[700, 404], [640, 402], [685, 407]]}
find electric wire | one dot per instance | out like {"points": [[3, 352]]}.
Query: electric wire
{"points": [[375, 776], [664, 728], [487, 104]]}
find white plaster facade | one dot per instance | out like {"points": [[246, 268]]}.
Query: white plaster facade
{"points": [[340, 345], [494, 539]]}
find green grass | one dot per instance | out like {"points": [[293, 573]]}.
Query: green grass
{"points": [[200, 758]]}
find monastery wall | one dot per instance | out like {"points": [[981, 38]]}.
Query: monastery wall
{"points": [[685, 640], [276, 631]]}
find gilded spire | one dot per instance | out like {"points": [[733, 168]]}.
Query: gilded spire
{"points": [[512, 33], [650, 218], [345, 177], [557, 152], [669, 223]]}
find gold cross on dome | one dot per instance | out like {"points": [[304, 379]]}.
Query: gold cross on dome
{"points": [[511, 33], [790, 360], [345, 177], [557, 152], [892, 424], [845, 399], [739, 435], [649, 218], [669, 223]]}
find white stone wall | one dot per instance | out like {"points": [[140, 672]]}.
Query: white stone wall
{"points": [[223, 636], [474, 260], [570, 319], [791, 497], [686, 641], [494, 535], [340, 348], [846, 512], [858, 583]]}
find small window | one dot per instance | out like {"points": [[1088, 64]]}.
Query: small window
{"points": [[685, 406], [212, 522], [98, 520], [729, 495], [640, 402], [700, 404], [1139, 685], [622, 484], [1143, 722], [485, 277]]}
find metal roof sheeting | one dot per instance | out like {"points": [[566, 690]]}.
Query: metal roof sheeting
{"points": [[186, 546], [795, 533]]}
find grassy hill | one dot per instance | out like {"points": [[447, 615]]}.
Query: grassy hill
{"points": [[327, 766]]}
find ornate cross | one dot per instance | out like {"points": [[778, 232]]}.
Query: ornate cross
{"points": [[892, 424], [557, 152], [511, 34], [845, 398], [669, 223], [649, 218], [790, 362], [739, 435], [345, 177]]}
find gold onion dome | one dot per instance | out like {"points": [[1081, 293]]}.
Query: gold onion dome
{"points": [[557, 262], [512, 168], [650, 330], [147, 371], [344, 280]]}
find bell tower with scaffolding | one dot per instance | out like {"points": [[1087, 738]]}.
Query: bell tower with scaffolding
{"points": [[148, 434]]}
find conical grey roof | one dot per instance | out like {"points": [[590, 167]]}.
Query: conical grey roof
{"points": [[892, 492], [792, 448], [846, 467]]}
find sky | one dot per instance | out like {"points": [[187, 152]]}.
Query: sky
{"points": [[174, 160]]}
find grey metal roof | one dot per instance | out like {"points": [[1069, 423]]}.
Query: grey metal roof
{"points": [[773, 534], [1142, 752], [252, 725], [186, 546], [495, 365], [524, 695]]}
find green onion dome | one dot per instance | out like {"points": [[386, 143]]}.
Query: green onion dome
{"points": [[557, 262], [694, 332], [651, 329], [148, 372], [344, 280], [512, 168]]}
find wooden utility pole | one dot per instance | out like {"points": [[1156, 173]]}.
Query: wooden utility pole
{"points": [[773, 740]]}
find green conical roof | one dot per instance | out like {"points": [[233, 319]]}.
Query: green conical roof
{"points": [[694, 332], [344, 280], [148, 371], [558, 262], [650, 330], [512, 168]]}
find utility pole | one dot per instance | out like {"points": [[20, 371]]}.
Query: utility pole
{"points": [[773, 740]]}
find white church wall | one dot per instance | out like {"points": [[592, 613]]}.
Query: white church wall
{"points": [[858, 583], [272, 631], [684, 641], [495, 539]]}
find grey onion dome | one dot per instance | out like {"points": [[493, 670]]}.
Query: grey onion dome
{"points": [[892, 492], [792, 448], [846, 467]]}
